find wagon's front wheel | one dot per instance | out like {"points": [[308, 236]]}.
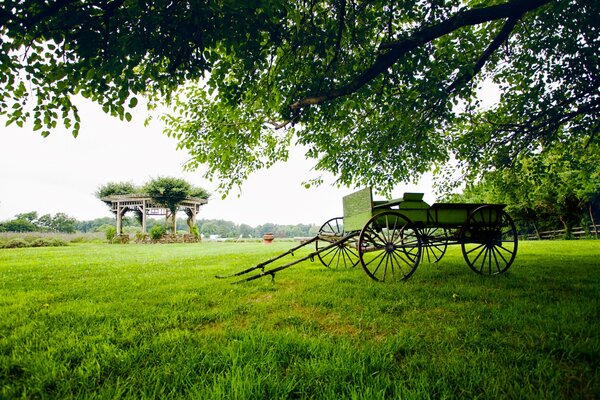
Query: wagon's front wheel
{"points": [[389, 248], [342, 255], [489, 241]]}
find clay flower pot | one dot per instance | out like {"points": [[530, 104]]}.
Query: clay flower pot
{"points": [[268, 238]]}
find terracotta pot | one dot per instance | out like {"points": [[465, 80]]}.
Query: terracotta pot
{"points": [[268, 238]]}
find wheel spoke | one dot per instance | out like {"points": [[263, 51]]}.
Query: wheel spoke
{"points": [[382, 253], [496, 259], [479, 255], [399, 263], [484, 251], [504, 248], [475, 248], [500, 254]]}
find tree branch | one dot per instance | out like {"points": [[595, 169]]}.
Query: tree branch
{"points": [[425, 35], [496, 43]]}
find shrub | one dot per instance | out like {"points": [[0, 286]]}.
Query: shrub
{"points": [[157, 232], [47, 242], [195, 232], [110, 233], [120, 239], [15, 243], [39, 242], [140, 236], [55, 242]]}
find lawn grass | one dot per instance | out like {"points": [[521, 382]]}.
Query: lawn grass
{"points": [[151, 321]]}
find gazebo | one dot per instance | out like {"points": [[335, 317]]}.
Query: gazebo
{"points": [[144, 205]]}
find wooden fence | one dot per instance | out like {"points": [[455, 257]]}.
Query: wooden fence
{"points": [[578, 232]]}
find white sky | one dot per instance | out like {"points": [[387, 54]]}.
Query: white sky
{"points": [[60, 174]]}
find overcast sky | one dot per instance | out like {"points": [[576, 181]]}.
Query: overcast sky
{"points": [[60, 174]]}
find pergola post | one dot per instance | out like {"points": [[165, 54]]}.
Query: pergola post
{"points": [[119, 218], [144, 216]]}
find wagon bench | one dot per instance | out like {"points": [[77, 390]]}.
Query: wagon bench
{"points": [[390, 238]]}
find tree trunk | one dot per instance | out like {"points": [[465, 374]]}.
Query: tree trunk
{"points": [[537, 232], [174, 222], [567, 227], [592, 219]]}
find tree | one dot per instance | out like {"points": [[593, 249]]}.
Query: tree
{"points": [[18, 225], [560, 186], [59, 222], [169, 192], [31, 216], [377, 91], [116, 188]]}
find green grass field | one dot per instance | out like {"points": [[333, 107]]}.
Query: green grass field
{"points": [[151, 321]]}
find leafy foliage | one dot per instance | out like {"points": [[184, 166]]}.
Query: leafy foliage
{"points": [[157, 232], [552, 189], [30, 222], [377, 92], [168, 191], [116, 188]]}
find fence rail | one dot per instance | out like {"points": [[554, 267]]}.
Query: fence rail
{"points": [[578, 232]]}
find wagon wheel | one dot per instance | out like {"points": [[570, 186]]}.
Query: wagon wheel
{"points": [[489, 241], [342, 255], [435, 242], [389, 248]]}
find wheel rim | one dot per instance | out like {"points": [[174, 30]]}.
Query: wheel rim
{"points": [[389, 249], [344, 255], [435, 242], [489, 241]]}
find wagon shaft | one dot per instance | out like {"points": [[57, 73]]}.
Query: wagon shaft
{"points": [[271, 272]]}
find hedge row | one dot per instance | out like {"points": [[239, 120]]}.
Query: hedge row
{"points": [[32, 242]]}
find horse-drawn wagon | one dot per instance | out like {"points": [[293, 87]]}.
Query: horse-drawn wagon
{"points": [[390, 238]]}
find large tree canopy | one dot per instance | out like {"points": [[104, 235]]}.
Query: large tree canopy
{"points": [[376, 91]]}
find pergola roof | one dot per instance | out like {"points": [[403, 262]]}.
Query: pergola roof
{"points": [[147, 201]]}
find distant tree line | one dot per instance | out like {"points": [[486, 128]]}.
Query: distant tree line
{"points": [[229, 229], [60, 222], [32, 222]]}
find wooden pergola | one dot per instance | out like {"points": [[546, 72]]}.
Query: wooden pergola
{"points": [[145, 206]]}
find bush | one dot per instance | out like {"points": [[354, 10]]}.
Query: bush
{"points": [[16, 243], [55, 242], [39, 242], [110, 233], [157, 232], [195, 232], [120, 239], [47, 242]]}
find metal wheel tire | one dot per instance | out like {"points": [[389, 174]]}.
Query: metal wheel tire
{"points": [[389, 248], [435, 243], [489, 241], [344, 255]]}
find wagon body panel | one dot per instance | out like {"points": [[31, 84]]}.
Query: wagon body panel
{"points": [[358, 208], [454, 215]]}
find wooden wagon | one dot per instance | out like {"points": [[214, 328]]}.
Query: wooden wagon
{"points": [[390, 238]]}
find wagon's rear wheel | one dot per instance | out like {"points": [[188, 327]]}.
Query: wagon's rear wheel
{"points": [[389, 248], [435, 242], [489, 241], [342, 255]]}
